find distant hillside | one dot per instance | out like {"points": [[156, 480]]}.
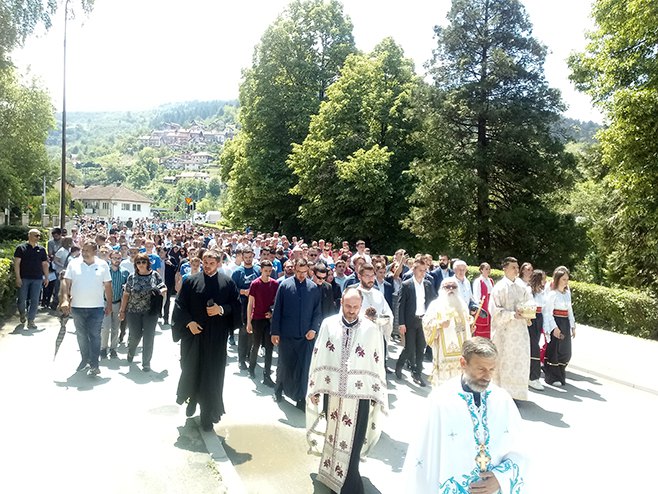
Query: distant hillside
{"points": [[580, 131], [86, 130]]}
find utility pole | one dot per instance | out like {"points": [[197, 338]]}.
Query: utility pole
{"points": [[62, 190]]}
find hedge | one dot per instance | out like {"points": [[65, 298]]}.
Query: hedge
{"points": [[7, 286], [614, 309]]}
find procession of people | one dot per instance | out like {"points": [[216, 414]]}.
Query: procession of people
{"points": [[330, 316]]}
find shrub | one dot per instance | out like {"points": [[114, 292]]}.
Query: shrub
{"points": [[623, 311], [7, 286]]}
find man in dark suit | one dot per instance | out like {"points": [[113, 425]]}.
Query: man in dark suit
{"points": [[442, 272], [415, 296]]}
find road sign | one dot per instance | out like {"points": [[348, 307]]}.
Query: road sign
{"points": [[188, 200]]}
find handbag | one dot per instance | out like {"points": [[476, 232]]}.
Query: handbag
{"points": [[157, 300]]}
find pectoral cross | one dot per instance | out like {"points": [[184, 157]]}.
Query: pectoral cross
{"points": [[483, 459]]}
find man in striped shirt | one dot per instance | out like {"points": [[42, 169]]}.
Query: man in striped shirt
{"points": [[110, 328]]}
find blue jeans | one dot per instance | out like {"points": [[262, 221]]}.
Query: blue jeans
{"points": [[88, 323], [29, 290]]}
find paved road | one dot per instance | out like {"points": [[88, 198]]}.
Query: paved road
{"points": [[123, 432]]}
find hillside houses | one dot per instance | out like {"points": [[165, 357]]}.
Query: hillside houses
{"points": [[187, 161], [175, 136]]}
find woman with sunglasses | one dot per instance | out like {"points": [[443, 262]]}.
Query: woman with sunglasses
{"points": [[141, 308]]}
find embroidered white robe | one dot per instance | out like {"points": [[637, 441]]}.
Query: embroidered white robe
{"points": [[348, 366], [441, 456], [510, 335]]}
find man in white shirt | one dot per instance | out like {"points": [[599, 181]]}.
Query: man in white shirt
{"points": [[87, 289], [463, 285], [415, 296], [361, 252]]}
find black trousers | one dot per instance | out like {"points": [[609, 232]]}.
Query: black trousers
{"points": [[261, 336], [353, 481], [414, 346], [558, 353], [244, 338], [535, 331]]}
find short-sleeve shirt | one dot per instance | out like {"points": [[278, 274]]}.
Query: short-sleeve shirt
{"points": [[264, 294], [87, 282], [31, 259], [140, 287]]}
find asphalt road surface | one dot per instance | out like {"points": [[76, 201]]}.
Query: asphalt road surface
{"points": [[62, 431]]}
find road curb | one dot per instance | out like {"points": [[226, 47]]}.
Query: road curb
{"points": [[615, 380], [230, 477]]}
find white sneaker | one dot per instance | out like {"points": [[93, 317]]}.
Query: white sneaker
{"points": [[536, 385], [557, 383]]}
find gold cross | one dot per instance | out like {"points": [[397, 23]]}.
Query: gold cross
{"points": [[483, 459]]}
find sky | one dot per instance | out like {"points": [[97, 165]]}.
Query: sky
{"points": [[139, 54]]}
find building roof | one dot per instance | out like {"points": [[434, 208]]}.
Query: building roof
{"points": [[110, 193]]}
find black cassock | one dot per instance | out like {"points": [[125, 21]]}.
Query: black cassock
{"points": [[203, 356]]}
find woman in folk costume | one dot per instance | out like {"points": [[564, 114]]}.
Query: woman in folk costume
{"points": [[536, 328], [559, 327], [346, 397], [482, 287], [446, 324]]}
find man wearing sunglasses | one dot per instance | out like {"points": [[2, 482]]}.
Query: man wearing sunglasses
{"points": [[31, 269]]}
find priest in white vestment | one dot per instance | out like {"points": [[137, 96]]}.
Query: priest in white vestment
{"points": [[512, 307], [374, 302], [468, 441], [446, 325], [346, 396]]}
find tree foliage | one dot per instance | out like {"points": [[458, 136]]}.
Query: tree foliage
{"points": [[488, 185], [619, 70], [351, 167], [297, 59], [25, 118]]}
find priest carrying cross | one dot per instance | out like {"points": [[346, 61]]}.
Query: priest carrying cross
{"points": [[469, 438]]}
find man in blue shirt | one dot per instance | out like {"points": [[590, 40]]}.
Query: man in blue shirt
{"points": [[242, 277]]}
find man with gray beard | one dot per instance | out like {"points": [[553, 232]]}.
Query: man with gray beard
{"points": [[446, 325], [469, 438]]}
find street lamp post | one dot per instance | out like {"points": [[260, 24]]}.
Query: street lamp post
{"points": [[62, 190]]}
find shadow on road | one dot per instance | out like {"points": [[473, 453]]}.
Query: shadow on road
{"points": [[534, 413], [580, 378], [138, 376], [189, 437], [20, 329], [390, 451], [236, 458], [82, 382], [320, 488]]}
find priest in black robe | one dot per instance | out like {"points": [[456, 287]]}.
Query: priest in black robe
{"points": [[207, 309]]}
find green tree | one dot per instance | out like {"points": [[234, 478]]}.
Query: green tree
{"points": [[298, 57], [351, 166], [500, 160], [214, 187], [139, 177], [619, 70], [25, 119], [148, 158]]}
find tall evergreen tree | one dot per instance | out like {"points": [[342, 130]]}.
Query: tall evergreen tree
{"points": [[298, 57], [491, 153]]}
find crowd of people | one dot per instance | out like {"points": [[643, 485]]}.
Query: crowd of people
{"points": [[331, 312]]}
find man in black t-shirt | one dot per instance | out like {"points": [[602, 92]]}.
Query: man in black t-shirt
{"points": [[31, 269]]}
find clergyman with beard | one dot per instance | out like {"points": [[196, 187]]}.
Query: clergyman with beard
{"points": [[469, 438], [206, 310], [446, 324]]}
